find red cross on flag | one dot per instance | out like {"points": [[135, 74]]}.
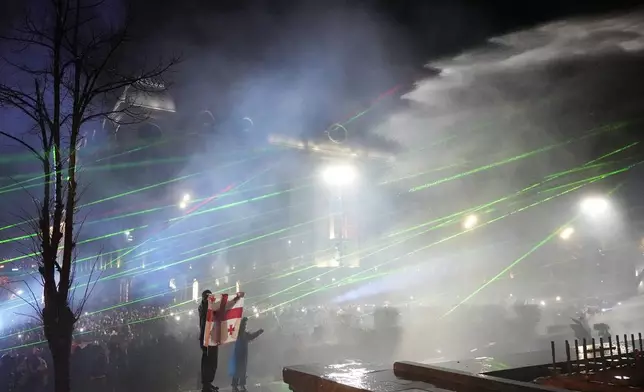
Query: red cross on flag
{"points": [[223, 318]]}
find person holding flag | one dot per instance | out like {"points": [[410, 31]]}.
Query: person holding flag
{"points": [[214, 310]]}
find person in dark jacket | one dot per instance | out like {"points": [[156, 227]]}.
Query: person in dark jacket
{"points": [[239, 359], [209, 354]]}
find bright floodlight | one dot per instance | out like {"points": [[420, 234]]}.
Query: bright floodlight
{"points": [[183, 205], [594, 206], [186, 197], [339, 175], [470, 221], [558, 299], [566, 233]]}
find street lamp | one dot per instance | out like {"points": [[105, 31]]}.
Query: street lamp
{"points": [[470, 222], [339, 175], [566, 233], [595, 206]]}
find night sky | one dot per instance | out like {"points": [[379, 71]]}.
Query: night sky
{"points": [[347, 51], [296, 67], [334, 57]]}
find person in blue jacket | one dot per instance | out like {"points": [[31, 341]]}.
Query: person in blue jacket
{"points": [[239, 359]]}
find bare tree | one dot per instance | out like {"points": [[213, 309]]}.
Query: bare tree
{"points": [[63, 65]]}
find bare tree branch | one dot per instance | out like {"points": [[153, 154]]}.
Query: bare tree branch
{"points": [[36, 308], [89, 287], [22, 143], [79, 75]]}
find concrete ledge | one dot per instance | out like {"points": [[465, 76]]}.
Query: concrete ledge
{"points": [[463, 381], [351, 377]]}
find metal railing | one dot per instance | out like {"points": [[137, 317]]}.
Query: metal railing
{"points": [[595, 355]]}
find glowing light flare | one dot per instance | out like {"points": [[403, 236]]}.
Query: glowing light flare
{"points": [[470, 222], [566, 233], [595, 206], [185, 200], [340, 175]]}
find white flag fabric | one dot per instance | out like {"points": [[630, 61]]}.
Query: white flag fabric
{"points": [[223, 317]]}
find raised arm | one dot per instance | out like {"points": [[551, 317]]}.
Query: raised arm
{"points": [[230, 304], [254, 335]]}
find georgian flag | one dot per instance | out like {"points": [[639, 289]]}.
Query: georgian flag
{"points": [[223, 317]]}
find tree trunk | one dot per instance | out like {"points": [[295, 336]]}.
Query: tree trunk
{"points": [[61, 355], [59, 326]]}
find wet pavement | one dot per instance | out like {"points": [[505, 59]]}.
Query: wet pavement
{"points": [[352, 374], [358, 376]]}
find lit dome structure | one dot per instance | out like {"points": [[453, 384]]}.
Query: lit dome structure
{"points": [[141, 110]]}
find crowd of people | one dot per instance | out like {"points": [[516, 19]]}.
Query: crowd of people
{"points": [[111, 351], [134, 348], [138, 348]]}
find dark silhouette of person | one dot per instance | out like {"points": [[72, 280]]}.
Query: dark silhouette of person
{"points": [[210, 354], [239, 359]]}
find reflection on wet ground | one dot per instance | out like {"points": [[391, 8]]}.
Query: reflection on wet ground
{"points": [[350, 373], [407, 376], [366, 377]]}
